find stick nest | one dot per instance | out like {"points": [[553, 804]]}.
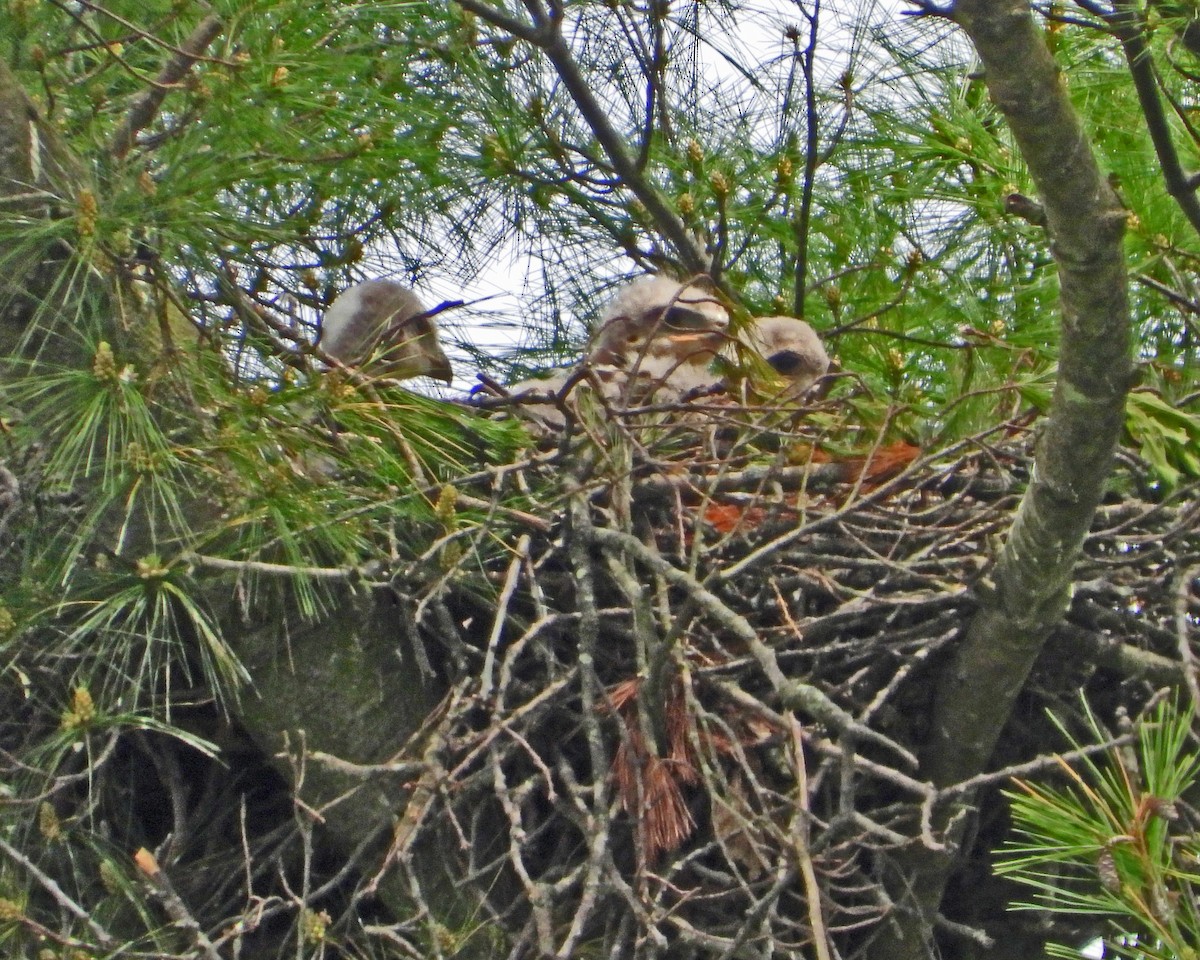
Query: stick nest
{"points": [[687, 718]]}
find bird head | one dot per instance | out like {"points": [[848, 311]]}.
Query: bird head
{"points": [[791, 348], [381, 327], [660, 327]]}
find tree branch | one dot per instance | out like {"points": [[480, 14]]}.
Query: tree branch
{"points": [[1187, 12], [1128, 26], [103, 937], [1086, 223], [811, 158], [145, 106], [1032, 578], [791, 693], [548, 37]]}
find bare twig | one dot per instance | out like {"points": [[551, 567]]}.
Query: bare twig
{"points": [[545, 33], [1184, 628], [176, 909], [47, 883], [802, 844], [1127, 24]]}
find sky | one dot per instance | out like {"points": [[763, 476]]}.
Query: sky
{"points": [[509, 285]]}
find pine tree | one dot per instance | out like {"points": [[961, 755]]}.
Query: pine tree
{"points": [[363, 669]]}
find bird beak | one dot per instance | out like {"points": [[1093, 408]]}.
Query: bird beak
{"points": [[441, 370], [701, 341]]}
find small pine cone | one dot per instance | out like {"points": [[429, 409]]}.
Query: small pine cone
{"points": [[1106, 867]]}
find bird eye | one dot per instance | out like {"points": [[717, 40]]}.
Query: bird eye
{"points": [[787, 362], [686, 318]]}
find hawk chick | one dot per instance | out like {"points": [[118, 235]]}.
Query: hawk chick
{"points": [[792, 349], [655, 333], [381, 326], [659, 333]]}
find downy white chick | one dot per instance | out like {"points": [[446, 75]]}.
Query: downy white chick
{"points": [[655, 342], [382, 328]]}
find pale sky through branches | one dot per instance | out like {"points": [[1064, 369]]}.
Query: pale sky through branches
{"points": [[743, 56]]}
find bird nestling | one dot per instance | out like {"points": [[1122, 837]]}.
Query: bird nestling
{"points": [[382, 328], [656, 337], [659, 335], [661, 341], [792, 349]]}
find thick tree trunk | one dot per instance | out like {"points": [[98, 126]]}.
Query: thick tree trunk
{"points": [[1031, 584]]}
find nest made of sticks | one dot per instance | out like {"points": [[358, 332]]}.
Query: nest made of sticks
{"points": [[688, 722]]}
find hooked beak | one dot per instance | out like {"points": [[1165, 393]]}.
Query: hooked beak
{"points": [[441, 370]]}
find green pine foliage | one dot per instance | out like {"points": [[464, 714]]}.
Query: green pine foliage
{"points": [[1114, 840], [173, 446]]}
